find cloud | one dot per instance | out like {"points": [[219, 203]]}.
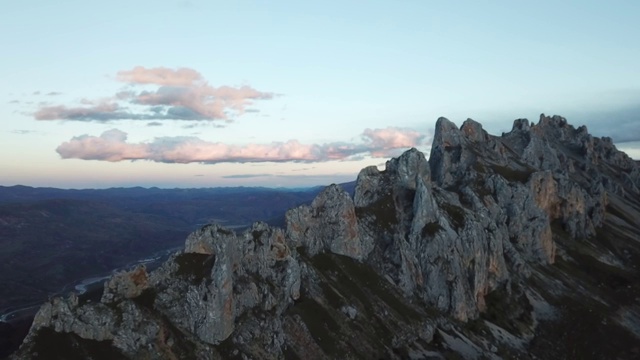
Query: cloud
{"points": [[194, 125], [245, 176], [180, 94], [112, 146], [160, 76], [100, 112], [304, 169], [202, 102], [390, 139], [54, 93], [154, 123]]}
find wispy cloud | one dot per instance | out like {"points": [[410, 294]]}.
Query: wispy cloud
{"points": [[245, 176], [100, 112], [304, 169], [24, 132], [54, 93], [180, 94], [112, 146], [160, 76]]}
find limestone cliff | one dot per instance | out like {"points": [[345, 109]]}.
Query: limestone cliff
{"points": [[484, 250]]}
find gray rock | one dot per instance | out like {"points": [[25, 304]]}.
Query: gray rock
{"points": [[329, 224]]}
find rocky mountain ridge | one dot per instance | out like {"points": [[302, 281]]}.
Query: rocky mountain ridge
{"points": [[474, 253]]}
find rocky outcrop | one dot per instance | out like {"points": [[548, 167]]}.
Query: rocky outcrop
{"points": [[391, 272], [125, 285], [329, 224]]}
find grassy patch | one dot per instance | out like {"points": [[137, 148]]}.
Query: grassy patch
{"points": [[256, 236], [320, 323], [613, 210], [430, 229], [583, 332], [511, 174], [382, 310], [227, 348], [334, 298], [478, 167], [224, 231], [384, 212], [587, 271], [357, 280], [146, 298], [480, 187], [52, 345], [511, 311], [290, 354], [455, 214], [197, 267], [441, 345], [93, 294]]}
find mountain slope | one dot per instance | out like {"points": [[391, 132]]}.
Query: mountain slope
{"points": [[524, 245]]}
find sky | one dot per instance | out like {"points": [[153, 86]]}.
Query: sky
{"points": [[293, 93]]}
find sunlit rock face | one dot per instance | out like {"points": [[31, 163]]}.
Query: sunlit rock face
{"points": [[473, 253]]}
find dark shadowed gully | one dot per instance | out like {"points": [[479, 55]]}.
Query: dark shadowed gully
{"points": [[525, 245]]}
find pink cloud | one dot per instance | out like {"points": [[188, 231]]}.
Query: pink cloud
{"points": [[182, 94], [203, 100], [196, 150], [386, 141], [112, 146], [392, 137], [160, 76]]}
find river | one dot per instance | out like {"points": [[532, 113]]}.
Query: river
{"points": [[81, 287]]}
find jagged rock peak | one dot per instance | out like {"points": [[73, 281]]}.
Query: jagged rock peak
{"points": [[473, 131], [521, 124], [555, 121], [409, 168], [448, 156], [446, 134], [443, 125]]}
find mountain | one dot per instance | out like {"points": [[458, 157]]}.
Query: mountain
{"points": [[52, 240], [524, 245]]}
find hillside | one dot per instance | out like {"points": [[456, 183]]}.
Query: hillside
{"points": [[524, 245]]}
